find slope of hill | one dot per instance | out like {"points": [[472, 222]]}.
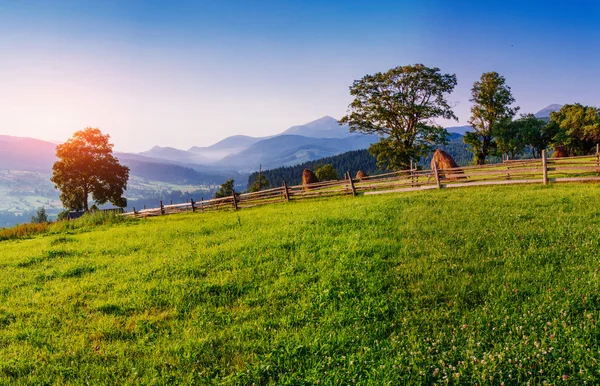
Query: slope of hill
{"points": [[353, 161], [412, 288], [176, 155], [229, 145], [293, 149], [26, 154], [349, 161]]}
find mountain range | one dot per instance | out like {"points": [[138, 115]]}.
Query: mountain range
{"points": [[323, 137]]}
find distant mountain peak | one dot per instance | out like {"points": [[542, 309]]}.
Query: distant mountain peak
{"points": [[545, 112], [324, 127]]}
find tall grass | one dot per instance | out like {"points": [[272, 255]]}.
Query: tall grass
{"points": [[88, 220]]}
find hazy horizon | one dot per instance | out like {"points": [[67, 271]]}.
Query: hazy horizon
{"points": [[192, 73]]}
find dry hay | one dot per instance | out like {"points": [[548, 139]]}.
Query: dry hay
{"points": [[445, 161], [308, 177], [360, 175], [560, 152]]}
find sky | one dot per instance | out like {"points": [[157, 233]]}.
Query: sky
{"points": [[183, 74]]}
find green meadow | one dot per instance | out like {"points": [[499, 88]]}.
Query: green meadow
{"points": [[487, 286]]}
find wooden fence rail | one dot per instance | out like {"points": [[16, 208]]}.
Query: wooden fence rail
{"points": [[531, 171]]}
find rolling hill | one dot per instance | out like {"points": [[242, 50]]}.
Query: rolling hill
{"points": [[287, 150], [418, 288]]}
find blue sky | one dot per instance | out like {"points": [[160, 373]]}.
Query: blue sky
{"points": [[190, 73]]}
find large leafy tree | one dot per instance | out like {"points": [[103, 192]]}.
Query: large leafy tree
{"points": [[491, 98], [579, 127], [401, 106], [86, 166], [508, 135], [537, 133]]}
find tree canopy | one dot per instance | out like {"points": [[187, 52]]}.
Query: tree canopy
{"points": [[491, 98], [260, 184], [86, 167], [401, 106], [578, 127], [326, 173], [225, 190]]}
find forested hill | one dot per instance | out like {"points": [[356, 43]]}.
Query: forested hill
{"points": [[350, 161], [354, 161]]}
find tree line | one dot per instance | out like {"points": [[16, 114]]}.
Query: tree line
{"points": [[350, 161], [402, 104]]}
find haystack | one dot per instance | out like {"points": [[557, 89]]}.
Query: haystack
{"points": [[360, 175], [308, 177], [560, 152], [445, 161]]}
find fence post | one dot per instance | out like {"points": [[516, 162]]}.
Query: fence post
{"points": [[162, 208], [544, 168], [437, 175], [192, 202], [134, 214], [234, 200], [351, 183], [598, 158], [201, 204], [286, 193]]}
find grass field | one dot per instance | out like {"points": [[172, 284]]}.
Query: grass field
{"points": [[462, 286]]}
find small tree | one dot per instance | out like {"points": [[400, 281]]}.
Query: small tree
{"points": [[491, 98], [326, 173], [225, 190], [260, 183], [40, 216], [86, 166], [401, 106]]}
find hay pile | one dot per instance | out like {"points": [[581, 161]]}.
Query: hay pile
{"points": [[560, 152], [360, 175], [308, 177], [445, 161]]}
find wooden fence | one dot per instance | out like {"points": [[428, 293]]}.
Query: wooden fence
{"points": [[529, 171]]}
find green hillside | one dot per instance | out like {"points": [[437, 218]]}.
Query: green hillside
{"points": [[356, 160], [459, 286]]}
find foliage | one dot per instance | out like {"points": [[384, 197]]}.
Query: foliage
{"points": [[86, 166], [259, 184], [40, 216], [401, 105], [326, 173], [23, 230], [63, 215], [536, 133], [225, 190], [415, 288], [579, 128], [85, 222], [491, 98]]}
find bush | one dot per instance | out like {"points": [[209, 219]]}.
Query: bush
{"points": [[40, 217]]}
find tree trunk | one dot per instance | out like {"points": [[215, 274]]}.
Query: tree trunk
{"points": [[85, 199]]}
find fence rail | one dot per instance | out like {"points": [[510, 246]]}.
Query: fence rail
{"points": [[531, 171]]}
